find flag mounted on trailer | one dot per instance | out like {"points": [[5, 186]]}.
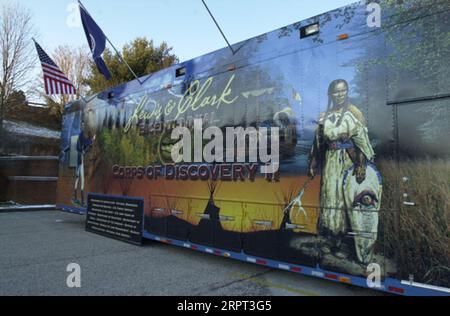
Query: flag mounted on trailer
{"points": [[96, 39], [55, 81]]}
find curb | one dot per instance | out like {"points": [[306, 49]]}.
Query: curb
{"points": [[27, 208]]}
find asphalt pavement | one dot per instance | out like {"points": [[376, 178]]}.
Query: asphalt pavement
{"points": [[37, 247]]}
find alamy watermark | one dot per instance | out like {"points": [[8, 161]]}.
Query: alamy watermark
{"points": [[73, 19], [374, 17], [73, 280], [374, 277], [241, 145]]}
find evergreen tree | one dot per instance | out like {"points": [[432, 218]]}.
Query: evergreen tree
{"points": [[142, 56]]}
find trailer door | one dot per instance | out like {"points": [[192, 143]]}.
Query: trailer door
{"points": [[418, 75], [423, 159]]}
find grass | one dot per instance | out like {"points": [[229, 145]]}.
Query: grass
{"points": [[419, 236]]}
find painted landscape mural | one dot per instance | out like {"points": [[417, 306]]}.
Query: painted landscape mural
{"points": [[363, 129]]}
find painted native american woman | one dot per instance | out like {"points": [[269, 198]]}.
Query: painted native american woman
{"points": [[350, 184]]}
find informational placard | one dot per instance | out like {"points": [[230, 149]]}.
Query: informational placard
{"points": [[116, 217]]}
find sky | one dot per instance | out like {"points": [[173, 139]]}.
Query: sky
{"points": [[183, 24]]}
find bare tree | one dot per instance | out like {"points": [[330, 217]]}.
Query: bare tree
{"points": [[74, 63], [16, 51]]}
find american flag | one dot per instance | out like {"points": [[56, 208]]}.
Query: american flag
{"points": [[55, 81]]}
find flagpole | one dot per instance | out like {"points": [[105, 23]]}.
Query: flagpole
{"points": [[218, 26], [115, 49], [123, 60]]}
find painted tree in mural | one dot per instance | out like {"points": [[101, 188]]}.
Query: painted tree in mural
{"points": [[107, 142], [285, 198], [414, 64], [112, 145], [125, 149], [414, 51]]}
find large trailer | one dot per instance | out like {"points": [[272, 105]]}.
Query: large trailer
{"points": [[356, 102]]}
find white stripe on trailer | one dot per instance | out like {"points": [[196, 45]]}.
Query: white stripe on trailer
{"points": [[317, 274], [426, 286], [209, 250], [284, 267], [186, 245], [252, 260]]}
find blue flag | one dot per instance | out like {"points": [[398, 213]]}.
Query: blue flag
{"points": [[97, 41]]}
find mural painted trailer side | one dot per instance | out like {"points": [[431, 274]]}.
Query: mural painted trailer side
{"points": [[363, 119]]}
